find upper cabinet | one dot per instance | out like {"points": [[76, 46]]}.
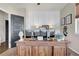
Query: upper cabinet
{"points": [[77, 10], [77, 19]]}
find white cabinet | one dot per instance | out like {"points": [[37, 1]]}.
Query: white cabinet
{"points": [[77, 25]]}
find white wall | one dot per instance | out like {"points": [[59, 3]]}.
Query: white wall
{"points": [[72, 37], [3, 17], [42, 17], [13, 10]]}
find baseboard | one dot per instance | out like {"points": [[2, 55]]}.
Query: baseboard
{"points": [[72, 52]]}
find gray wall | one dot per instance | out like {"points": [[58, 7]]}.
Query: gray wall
{"points": [[72, 37]]}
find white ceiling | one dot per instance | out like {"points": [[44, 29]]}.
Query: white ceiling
{"points": [[42, 6]]}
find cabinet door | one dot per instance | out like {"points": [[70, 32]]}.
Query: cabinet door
{"points": [[59, 51], [21, 51], [77, 10], [45, 51]]}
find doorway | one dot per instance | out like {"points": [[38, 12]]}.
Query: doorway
{"points": [[7, 32]]}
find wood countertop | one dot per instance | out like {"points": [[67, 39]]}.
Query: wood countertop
{"points": [[42, 42]]}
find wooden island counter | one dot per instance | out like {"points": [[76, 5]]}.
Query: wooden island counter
{"points": [[41, 48]]}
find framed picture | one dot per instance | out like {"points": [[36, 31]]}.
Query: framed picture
{"points": [[45, 26], [68, 19], [63, 21]]}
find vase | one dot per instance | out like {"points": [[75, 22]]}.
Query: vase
{"points": [[21, 35]]}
